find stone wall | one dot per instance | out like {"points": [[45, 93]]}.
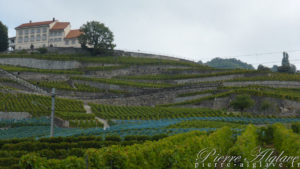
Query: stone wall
{"points": [[285, 84], [61, 123], [67, 50], [146, 55], [40, 64], [209, 79], [149, 99], [280, 107], [14, 115]]}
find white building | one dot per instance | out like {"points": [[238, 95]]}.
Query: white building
{"points": [[46, 34], [11, 43]]}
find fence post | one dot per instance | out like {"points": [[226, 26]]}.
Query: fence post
{"points": [[87, 161], [52, 113]]}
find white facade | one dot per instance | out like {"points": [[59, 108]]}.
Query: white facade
{"points": [[46, 34]]}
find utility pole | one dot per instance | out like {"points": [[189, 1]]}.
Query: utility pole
{"points": [[52, 112]]}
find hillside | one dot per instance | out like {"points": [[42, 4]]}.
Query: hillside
{"points": [[228, 64], [112, 101]]}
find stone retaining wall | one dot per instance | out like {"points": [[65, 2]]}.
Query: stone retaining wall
{"points": [[14, 115], [285, 84]]}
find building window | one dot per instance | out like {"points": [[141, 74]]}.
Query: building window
{"points": [[38, 38], [73, 41], [44, 30], [44, 37], [20, 40], [32, 31], [26, 39], [20, 32], [26, 31], [67, 42], [58, 39], [32, 38], [44, 45], [38, 30], [50, 40]]}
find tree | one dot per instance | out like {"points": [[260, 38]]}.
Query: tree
{"points": [[241, 102], [3, 37], [286, 67], [98, 36], [263, 68]]}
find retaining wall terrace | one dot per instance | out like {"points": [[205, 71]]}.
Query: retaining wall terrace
{"points": [[14, 115], [209, 79], [285, 84], [280, 107]]}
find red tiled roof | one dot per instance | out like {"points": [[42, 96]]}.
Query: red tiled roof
{"points": [[60, 25], [73, 34], [35, 24]]}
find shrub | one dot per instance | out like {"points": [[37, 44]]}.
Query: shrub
{"points": [[42, 50], [241, 102], [265, 105], [296, 127], [112, 138]]}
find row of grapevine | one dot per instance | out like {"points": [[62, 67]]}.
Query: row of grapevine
{"points": [[122, 60], [285, 140], [75, 116], [246, 144], [36, 104], [85, 123], [271, 77], [26, 69], [60, 147], [186, 76], [179, 151], [205, 124], [124, 82], [63, 85], [142, 112], [283, 93]]}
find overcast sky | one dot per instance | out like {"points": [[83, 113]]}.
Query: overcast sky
{"points": [[193, 29]]}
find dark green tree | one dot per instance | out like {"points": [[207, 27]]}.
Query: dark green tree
{"points": [[231, 63], [263, 68], [286, 67], [241, 102], [3, 37], [97, 36]]}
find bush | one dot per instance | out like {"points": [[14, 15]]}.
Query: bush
{"points": [[42, 50], [296, 127], [112, 138], [241, 102], [265, 105]]}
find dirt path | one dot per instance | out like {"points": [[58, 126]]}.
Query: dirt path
{"points": [[89, 111]]}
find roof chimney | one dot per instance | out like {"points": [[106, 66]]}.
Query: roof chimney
{"points": [[53, 19]]}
